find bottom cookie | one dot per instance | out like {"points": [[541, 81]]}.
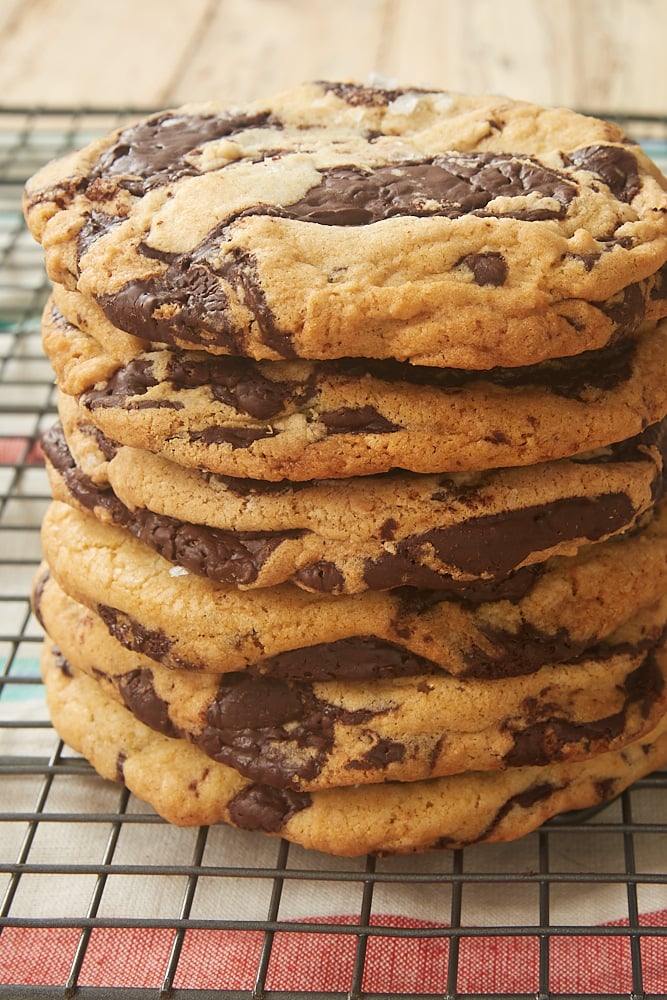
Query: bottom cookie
{"points": [[187, 788]]}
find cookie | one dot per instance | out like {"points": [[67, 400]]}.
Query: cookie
{"points": [[538, 616], [187, 788], [306, 420], [346, 536], [337, 220], [306, 736]]}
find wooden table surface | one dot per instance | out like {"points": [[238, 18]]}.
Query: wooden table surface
{"points": [[606, 55]]}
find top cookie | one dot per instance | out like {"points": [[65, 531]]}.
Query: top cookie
{"points": [[339, 220]]}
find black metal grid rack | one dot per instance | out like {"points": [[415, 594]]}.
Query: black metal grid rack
{"points": [[581, 905]]}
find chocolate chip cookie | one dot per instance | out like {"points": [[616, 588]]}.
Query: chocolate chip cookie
{"points": [[305, 420], [187, 787], [327, 734], [540, 615], [337, 220], [350, 535]]}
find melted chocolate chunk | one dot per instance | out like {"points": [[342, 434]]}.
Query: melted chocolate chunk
{"points": [[546, 741], [262, 487], [572, 377], [512, 588], [522, 800], [522, 652], [493, 545], [154, 152], [133, 635], [357, 657], [451, 185], [399, 569], [259, 807], [256, 723], [106, 445], [38, 594], [616, 166], [84, 490], [322, 576], [194, 290], [359, 96], [226, 556], [195, 303], [240, 271], [120, 763], [380, 756], [357, 420], [246, 702], [63, 665], [487, 268], [659, 289], [605, 789], [133, 379], [589, 260], [635, 449], [237, 437], [96, 224], [236, 382], [625, 310], [139, 695]]}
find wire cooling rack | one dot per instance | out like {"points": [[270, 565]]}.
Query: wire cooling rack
{"points": [[101, 899]]}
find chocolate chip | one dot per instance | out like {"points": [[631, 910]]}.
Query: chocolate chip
{"points": [[357, 95], [546, 741], [38, 594], [381, 755], [259, 807], [120, 762], [140, 697], [226, 556], [493, 545], [357, 657], [322, 576], [237, 437], [134, 636], [487, 268], [154, 152], [357, 420], [450, 185], [616, 166]]}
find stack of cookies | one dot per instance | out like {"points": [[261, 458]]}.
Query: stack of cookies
{"points": [[357, 533]]}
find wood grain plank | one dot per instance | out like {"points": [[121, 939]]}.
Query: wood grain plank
{"points": [[592, 54], [253, 48], [519, 49], [620, 55], [73, 52]]}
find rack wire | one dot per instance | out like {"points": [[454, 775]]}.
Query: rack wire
{"points": [[578, 908]]}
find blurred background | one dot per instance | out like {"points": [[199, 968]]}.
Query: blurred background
{"points": [[597, 55]]}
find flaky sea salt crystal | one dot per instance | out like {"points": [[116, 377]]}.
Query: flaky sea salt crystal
{"points": [[443, 102], [384, 82], [405, 104], [178, 571]]}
